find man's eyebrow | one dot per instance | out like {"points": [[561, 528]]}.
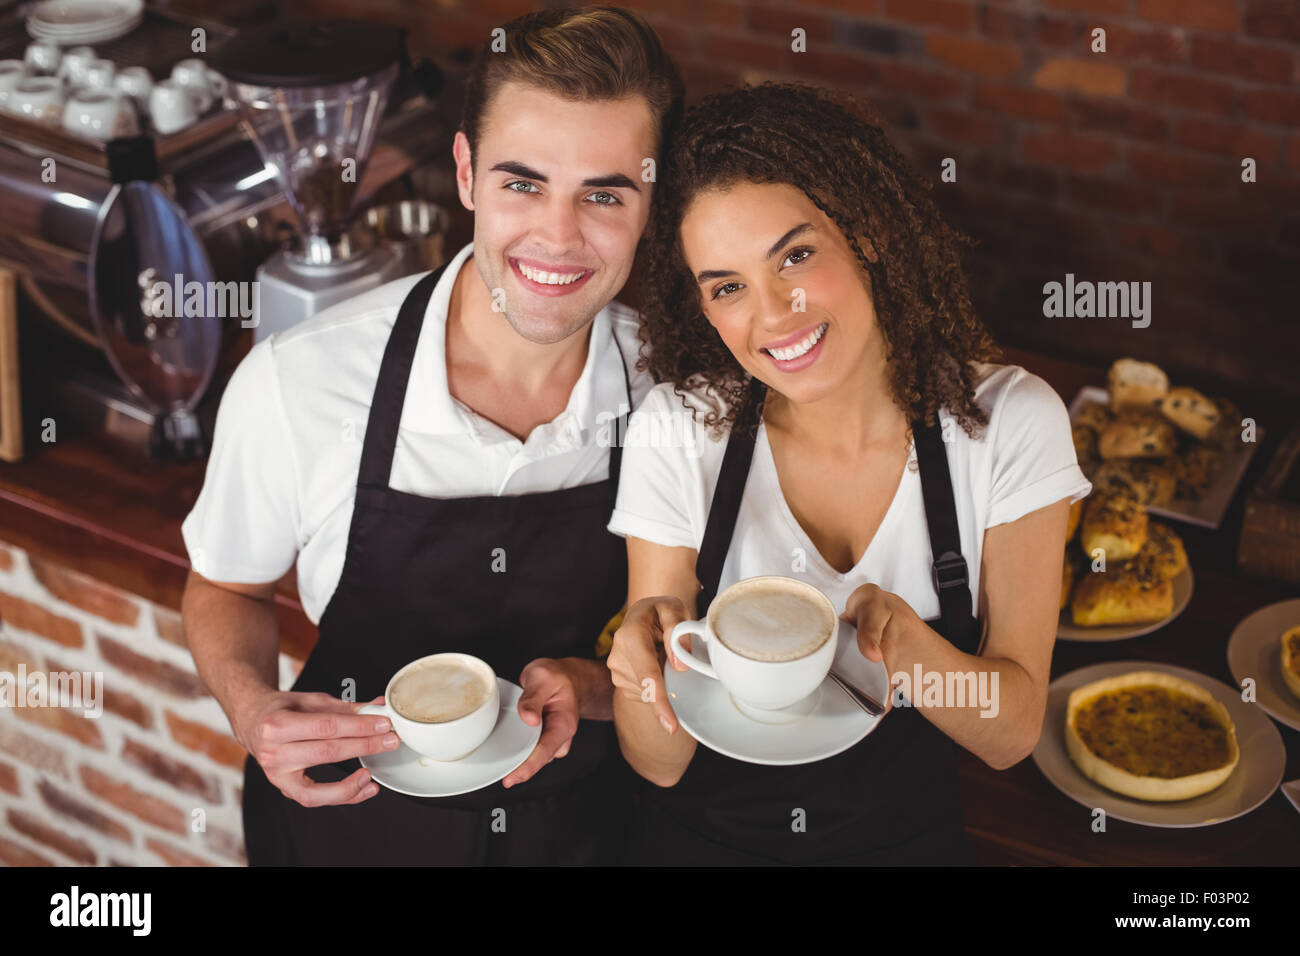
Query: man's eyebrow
{"points": [[608, 181], [776, 247]]}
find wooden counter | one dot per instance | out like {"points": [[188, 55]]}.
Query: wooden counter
{"points": [[116, 516]]}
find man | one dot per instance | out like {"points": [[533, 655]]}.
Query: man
{"points": [[435, 454]]}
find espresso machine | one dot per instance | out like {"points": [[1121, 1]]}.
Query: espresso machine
{"points": [[311, 96]]}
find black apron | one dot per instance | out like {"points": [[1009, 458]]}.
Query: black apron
{"points": [[889, 800], [418, 578]]}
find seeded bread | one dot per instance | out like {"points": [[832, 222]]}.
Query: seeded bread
{"points": [[1191, 411], [1134, 384], [1162, 556], [1136, 436], [1150, 482], [1116, 524], [1120, 596]]}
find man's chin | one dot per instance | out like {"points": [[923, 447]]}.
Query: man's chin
{"points": [[542, 329]]}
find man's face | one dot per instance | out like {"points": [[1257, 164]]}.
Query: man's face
{"points": [[558, 204]]}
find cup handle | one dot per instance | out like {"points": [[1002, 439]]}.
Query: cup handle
{"points": [[381, 710], [694, 629]]}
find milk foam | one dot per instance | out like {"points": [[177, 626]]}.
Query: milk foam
{"points": [[438, 692], [772, 621]]}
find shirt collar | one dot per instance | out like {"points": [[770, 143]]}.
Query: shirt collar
{"points": [[598, 396]]}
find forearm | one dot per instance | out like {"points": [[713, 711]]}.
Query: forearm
{"points": [[235, 644], [996, 716], [647, 746]]}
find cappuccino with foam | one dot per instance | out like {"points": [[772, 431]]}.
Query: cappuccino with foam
{"points": [[439, 691], [772, 619]]}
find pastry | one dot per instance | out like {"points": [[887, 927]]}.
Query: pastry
{"points": [[1094, 415], [1116, 524], [1229, 427], [1120, 595], [1191, 411], [1150, 482], [1134, 384], [1162, 556], [1151, 735], [1085, 443], [1291, 659], [1194, 469], [1136, 436]]}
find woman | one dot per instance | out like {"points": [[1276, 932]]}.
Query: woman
{"points": [[808, 307]]}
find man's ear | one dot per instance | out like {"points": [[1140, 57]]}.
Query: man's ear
{"points": [[464, 170]]}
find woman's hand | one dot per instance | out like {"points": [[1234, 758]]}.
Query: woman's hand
{"points": [[884, 621], [640, 645]]}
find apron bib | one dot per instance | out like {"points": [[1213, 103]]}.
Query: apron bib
{"points": [[418, 578], [889, 800]]}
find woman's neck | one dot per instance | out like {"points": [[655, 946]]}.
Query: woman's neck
{"points": [[859, 415]]}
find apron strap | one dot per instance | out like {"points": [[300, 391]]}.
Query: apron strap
{"points": [[949, 571], [727, 495], [390, 388]]}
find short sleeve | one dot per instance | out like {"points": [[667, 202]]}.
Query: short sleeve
{"points": [[243, 527], [656, 487], [1033, 459]]}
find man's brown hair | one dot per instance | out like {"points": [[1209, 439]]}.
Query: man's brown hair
{"points": [[592, 53]]}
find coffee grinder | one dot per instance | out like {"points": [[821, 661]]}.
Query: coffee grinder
{"points": [[311, 96]]}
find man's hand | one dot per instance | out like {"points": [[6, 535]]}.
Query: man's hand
{"points": [[555, 692], [287, 732]]}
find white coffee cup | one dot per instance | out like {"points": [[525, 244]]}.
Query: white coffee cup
{"points": [[98, 75], [171, 107], [12, 72], [445, 740], [99, 114], [192, 75], [135, 82], [43, 57], [761, 687], [38, 98], [72, 69]]}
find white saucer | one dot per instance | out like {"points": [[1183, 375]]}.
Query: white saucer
{"points": [[1255, 651], [509, 745], [1067, 630], [1257, 775], [822, 725]]}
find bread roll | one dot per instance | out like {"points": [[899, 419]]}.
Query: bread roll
{"points": [[1116, 524], [1136, 436], [1162, 556], [1191, 411], [1085, 443], [1150, 482], [1134, 384], [1120, 596], [1094, 415]]}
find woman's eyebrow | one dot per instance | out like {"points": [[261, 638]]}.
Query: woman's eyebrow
{"points": [[776, 247], [607, 181]]}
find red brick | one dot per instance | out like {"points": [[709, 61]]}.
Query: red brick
{"points": [[782, 20], [1178, 169], [31, 751], [1091, 6], [944, 14], [1184, 91], [169, 626], [76, 850], [1272, 20], [9, 778], [69, 806], [224, 843], [26, 616], [6, 560], [127, 798], [963, 126], [1250, 61], [1019, 101], [739, 49], [1088, 154], [1160, 45], [171, 771], [160, 674], [1033, 180], [1081, 76], [86, 593], [1115, 117], [1272, 106], [173, 856], [1218, 15], [85, 730], [1003, 23], [1229, 139], [12, 655], [843, 68], [975, 56], [128, 707], [1156, 241], [920, 81], [221, 747], [1115, 196], [1058, 31], [1214, 215], [13, 854]]}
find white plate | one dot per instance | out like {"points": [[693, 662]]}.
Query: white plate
{"points": [[1067, 630], [824, 724], [1255, 650], [79, 14], [1208, 511], [80, 38], [506, 748], [1257, 775]]}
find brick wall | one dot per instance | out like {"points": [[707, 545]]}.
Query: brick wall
{"points": [[1115, 166], [121, 788]]}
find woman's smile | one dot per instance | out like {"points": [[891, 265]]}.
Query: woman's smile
{"points": [[796, 352]]}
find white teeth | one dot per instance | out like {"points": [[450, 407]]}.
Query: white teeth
{"points": [[550, 278], [800, 347]]}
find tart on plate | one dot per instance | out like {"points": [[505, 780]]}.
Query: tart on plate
{"points": [[1150, 735], [1291, 659]]}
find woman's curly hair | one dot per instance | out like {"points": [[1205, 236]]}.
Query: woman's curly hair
{"points": [[828, 146]]}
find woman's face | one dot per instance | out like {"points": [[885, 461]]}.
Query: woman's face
{"points": [[783, 288]]}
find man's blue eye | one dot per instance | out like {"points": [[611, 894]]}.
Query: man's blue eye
{"points": [[520, 182], [611, 199]]}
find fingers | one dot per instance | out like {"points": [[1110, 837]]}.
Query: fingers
{"points": [[284, 726], [299, 754], [354, 788], [557, 733]]}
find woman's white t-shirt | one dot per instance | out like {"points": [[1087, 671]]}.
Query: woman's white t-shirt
{"points": [[1023, 461]]}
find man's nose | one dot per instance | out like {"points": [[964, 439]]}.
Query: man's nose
{"points": [[558, 227]]}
